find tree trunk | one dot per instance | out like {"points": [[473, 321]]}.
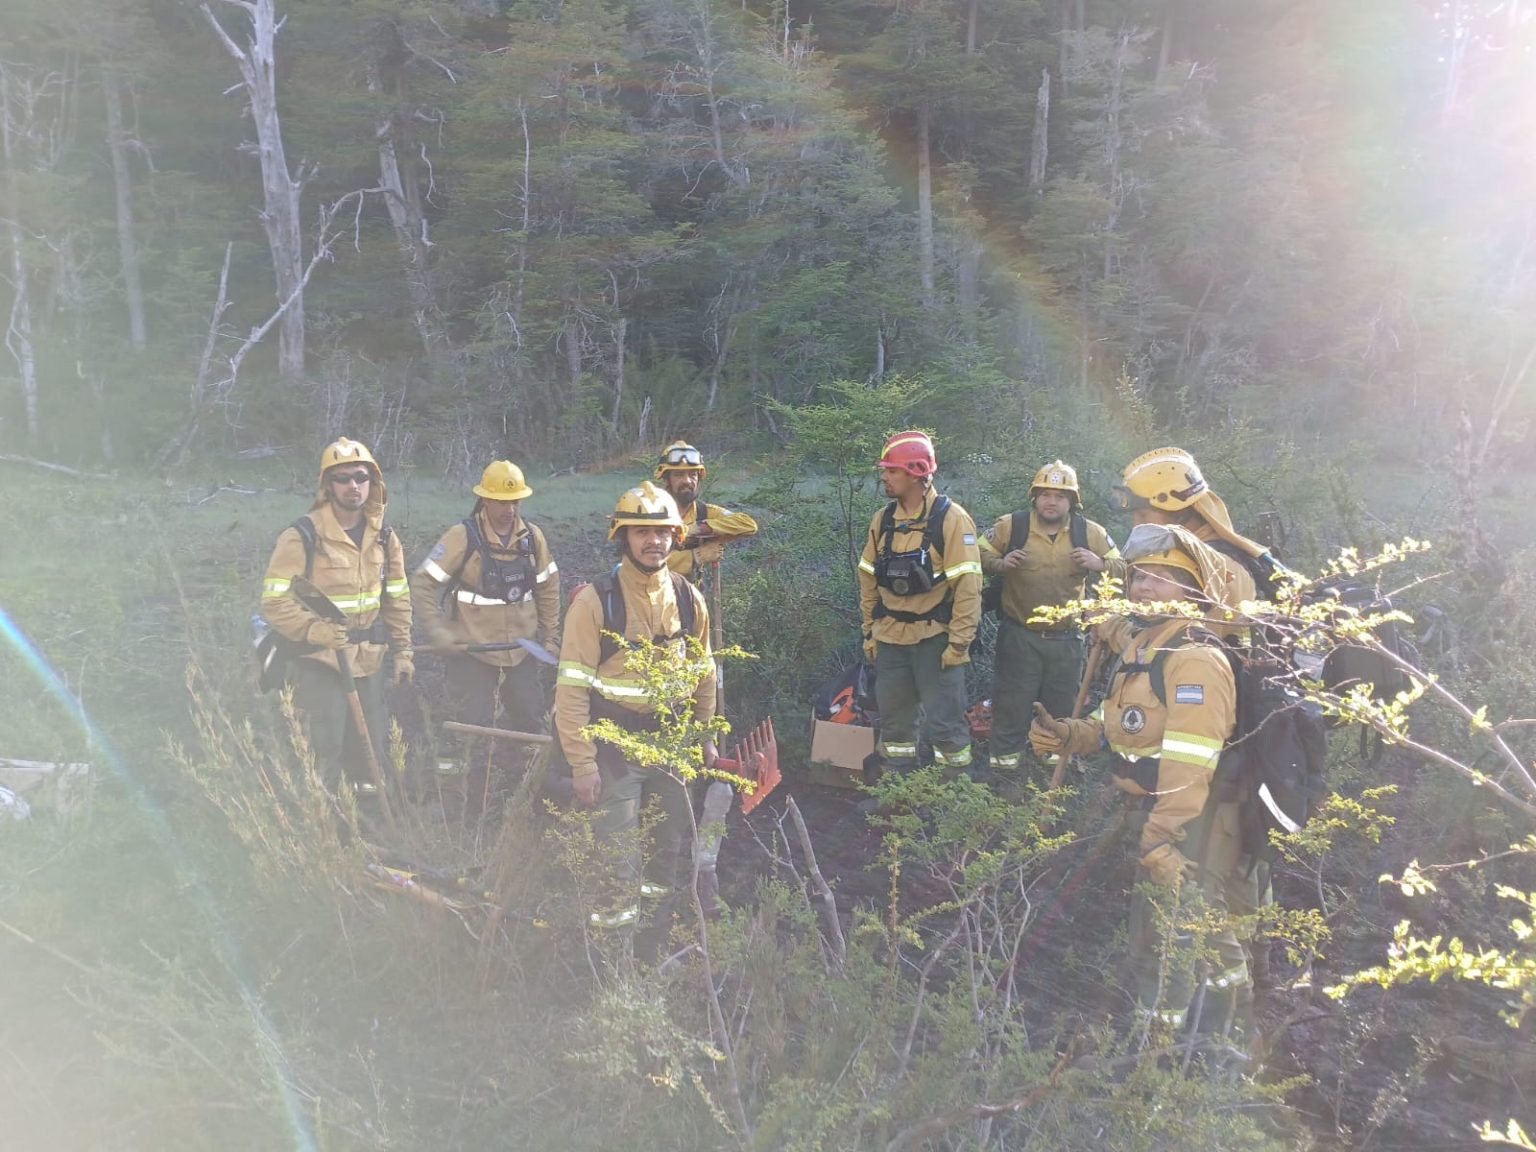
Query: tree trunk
{"points": [[410, 228], [1165, 43], [1112, 146], [972, 14], [127, 242], [925, 208], [280, 191], [18, 331], [1040, 143], [618, 373]]}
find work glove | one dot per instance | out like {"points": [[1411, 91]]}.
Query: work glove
{"points": [[869, 649], [1168, 867], [1049, 736], [327, 634], [709, 551], [405, 671], [954, 657]]}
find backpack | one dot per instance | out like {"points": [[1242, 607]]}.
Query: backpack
{"points": [[849, 698], [895, 570], [1077, 527], [273, 650], [616, 616], [1276, 762], [508, 580], [1351, 664]]}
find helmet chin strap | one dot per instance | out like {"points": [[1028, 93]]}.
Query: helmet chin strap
{"points": [[648, 569]]}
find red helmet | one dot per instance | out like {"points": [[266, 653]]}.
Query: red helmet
{"points": [[911, 451]]}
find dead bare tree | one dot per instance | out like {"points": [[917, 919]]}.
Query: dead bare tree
{"points": [[122, 183], [207, 394], [257, 61], [18, 99]]}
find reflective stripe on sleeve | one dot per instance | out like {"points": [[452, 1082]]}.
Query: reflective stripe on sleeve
{"points": [[962, 568], [397, 588], [866, 566], [1200, 751], [275, 588], [433, 569], [550, 569], [574, 675]]}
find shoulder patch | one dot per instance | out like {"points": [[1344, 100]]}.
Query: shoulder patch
{"points": [[969, 539], [439, 550], [1189, 694]]}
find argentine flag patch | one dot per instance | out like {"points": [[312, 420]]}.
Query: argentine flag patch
{"points": [[1189, 694], [969, 539]]}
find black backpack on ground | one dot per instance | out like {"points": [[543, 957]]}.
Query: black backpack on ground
{"points": [[1351, 664], [849, 698], [1077, 526], [1276, 761]]}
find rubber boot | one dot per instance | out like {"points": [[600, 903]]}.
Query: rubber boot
{"points": [[717, 803]]}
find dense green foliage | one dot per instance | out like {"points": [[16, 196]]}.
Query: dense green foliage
{"points": [[594, 222]]}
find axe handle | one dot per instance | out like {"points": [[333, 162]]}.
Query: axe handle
{"points": [[1090, 671], [349, 684], [497, 733], [717, 624]]}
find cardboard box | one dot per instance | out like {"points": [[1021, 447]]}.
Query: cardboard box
{"points": [[844, 747]]}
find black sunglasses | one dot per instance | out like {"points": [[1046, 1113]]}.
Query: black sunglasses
{"points": [[352, 478]]}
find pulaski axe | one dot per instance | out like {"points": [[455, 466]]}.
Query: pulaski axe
{"points": [[325, 608]]}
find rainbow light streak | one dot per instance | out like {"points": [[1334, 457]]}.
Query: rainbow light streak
{"points": [[267, 1037]]}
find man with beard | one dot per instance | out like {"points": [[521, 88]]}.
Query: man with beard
{"points": [[344, 548], [595, 682], [707, 528], [920, 600], [1043, 556]]}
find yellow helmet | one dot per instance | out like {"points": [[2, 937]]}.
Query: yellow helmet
{"points": [[680, 456], [341, 452], [1058, 477], [1172, 546], [502, 480], [344, 451], [645, 505], [1167, 479]]}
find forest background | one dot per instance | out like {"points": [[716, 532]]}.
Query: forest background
{"points": [[1295, 237]]}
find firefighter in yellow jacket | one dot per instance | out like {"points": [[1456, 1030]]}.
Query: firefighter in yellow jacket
{"points": [[489, 583], [349, 554], [707, 528], [1170, 709], [1044, 556], [1166, 486], [594, 682], [920, 600]]}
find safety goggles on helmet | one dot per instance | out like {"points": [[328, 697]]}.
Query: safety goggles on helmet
{"points": [[684, 457]]}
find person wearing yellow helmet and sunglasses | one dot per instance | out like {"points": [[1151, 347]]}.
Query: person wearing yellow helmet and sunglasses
{"points": [[1166, 746], [343, 548], [707, 528], [489, 582]]}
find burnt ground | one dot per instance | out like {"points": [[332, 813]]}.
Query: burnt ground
{"points": [[1412, 1068]]}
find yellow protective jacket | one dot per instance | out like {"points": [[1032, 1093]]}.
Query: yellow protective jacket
{"points": [[460, 614], [958, 561], [717, 524], [650, 610], [1048, 575], [1184, 735], [366, 583]]}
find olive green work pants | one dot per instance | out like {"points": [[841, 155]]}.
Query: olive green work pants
{"points": [[1171, 959], [1030, 666], [495, 697], [321, 702], [911, 681]]}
